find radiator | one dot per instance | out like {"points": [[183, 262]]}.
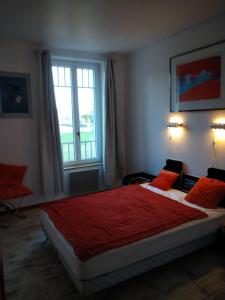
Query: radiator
{"points": [[84, 182]]}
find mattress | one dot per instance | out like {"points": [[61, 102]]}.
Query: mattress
{"points": [[126, 255]]}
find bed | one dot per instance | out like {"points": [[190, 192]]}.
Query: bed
{"points": [[112, 266]]}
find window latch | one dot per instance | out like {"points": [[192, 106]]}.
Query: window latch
{"points": [[78, 135]]}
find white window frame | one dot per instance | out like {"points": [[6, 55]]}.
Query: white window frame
{"points": [[74, 65]]}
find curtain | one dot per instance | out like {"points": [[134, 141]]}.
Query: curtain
{"points": [[52, 173], [113, 161]]}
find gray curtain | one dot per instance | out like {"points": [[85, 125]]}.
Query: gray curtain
{"points": [[52, 173], [113, 163]]}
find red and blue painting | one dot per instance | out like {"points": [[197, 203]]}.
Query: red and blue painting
{"points": [[199, 80]]}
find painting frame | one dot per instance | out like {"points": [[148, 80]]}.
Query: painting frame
{"points": [[196, 58], [15, 95]]}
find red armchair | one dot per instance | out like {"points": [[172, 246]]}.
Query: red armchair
{"points": [[11, 187]]}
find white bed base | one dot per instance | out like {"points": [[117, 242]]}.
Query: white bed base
{"points": [[89, 287]]}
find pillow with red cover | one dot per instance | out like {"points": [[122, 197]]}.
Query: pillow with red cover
{"points": [[207, 192], [7, 182], [164, 180], [13, 172]]}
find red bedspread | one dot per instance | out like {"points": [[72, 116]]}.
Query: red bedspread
{"points": [[98, 222]]}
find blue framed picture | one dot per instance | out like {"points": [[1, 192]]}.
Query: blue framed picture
{"points": [[15, 95]]}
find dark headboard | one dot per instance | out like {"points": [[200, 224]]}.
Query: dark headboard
{"points": [[187, 182], [174, 166], [216, 174], [220, 175]]}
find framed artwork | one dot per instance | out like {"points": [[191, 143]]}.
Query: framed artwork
{"points": [[15, 95], [197, 79]]}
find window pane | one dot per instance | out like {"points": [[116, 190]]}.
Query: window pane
{"points": [[55, 75], [91, 78], [79, 78], [76, 100], [64, 107], [86, 103], [67, 77], [61, 76], [85, 78]]}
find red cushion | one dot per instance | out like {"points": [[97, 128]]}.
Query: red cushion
{"points": [[14, 192], [6, 182], [13, 172], [165, 180], [207, 192]]}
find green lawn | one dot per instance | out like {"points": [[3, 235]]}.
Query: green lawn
{"points": [[86, 151], [84, 136]]}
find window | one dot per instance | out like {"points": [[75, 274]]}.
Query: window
{"points": [[78, 103]]}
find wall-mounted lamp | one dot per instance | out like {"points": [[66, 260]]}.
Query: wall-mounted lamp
{"points": [[218, 136], [175, 125], [175, 129], [217, 126]]}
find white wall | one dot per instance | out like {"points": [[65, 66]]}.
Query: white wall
{"points": [[18, 136], [148, 108]]}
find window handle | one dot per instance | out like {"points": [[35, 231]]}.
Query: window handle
{"points": [[78, 135]]}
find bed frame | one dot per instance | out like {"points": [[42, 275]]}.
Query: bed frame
{"points": [[89, 287]]}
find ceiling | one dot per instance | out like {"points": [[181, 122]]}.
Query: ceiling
{"points": [[101, 25]]}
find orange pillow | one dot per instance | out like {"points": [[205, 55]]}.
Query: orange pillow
{"points": [[164, 180], [207, 192], [13, 172]]}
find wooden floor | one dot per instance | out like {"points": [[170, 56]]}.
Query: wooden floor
{"points": [[33, 271]]}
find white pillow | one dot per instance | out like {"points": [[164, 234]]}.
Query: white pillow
{"points": [[171, 193]]}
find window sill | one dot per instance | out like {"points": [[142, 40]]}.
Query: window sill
{"points": [[84, 166]]}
